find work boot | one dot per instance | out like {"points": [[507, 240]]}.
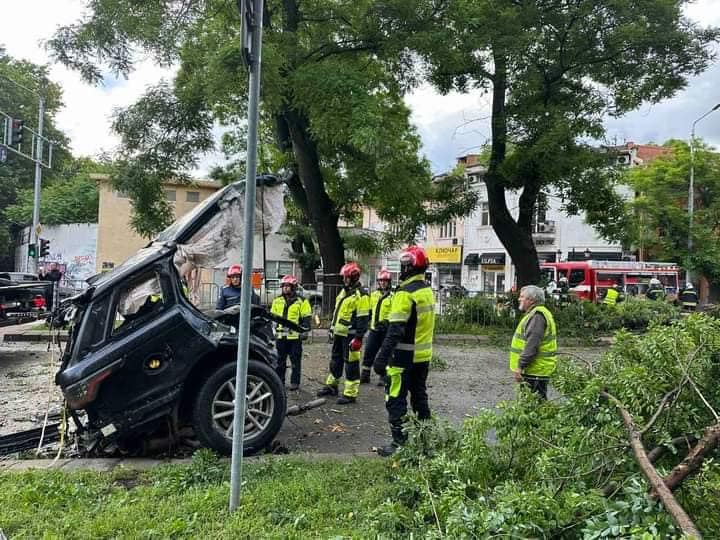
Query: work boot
{"points": [[387, 450], [294, 387], [327, 391], [365, 376], [344, 400]]}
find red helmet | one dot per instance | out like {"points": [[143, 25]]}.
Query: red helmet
{"points": [[413, 260], [234, 270], [350, 270], [289, 280], [384, 273]]}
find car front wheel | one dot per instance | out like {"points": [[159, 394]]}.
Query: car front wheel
{"points": [[214, 410]]}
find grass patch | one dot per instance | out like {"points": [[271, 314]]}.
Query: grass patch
{"points": [[438, 363], [281, 498]]}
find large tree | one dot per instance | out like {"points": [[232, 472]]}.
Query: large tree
{"points": [[332, 102], [553, 70], [18, 172], [659, 223]]}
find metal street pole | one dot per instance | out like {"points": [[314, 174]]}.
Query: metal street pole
{"points": [[691, 191], [35, 233], [252, 14]]}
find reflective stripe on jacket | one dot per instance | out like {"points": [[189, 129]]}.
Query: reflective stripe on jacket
{"points": [[294, 309], [352, 311], [413, 307], [611, 297], [380, 303], [546, 359]]}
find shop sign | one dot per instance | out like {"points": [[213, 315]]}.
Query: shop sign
{"points": [[445, 254]]}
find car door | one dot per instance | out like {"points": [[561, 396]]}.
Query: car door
{"points": [[156, 344]]}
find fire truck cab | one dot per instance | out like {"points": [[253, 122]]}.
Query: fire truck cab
{"points": [[589, 280]]}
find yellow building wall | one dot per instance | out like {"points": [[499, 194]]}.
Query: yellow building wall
{"points": [[116, 241]]}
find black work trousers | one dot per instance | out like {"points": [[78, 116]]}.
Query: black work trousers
{"points": [[372, 346], [537, 384], [293, 349], [400, 382]]}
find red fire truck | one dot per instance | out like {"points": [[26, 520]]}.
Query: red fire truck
{"points": [[589, 280]]}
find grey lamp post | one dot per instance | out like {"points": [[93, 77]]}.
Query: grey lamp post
{"points": [[691, 188]]}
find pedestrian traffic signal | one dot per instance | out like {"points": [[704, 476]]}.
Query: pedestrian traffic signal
{"points": [[16, 132], [44, 248], [32, 250]]}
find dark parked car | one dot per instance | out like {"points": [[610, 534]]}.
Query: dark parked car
{"points": [[141, 357]]}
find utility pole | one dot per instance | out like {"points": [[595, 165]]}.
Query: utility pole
{"points": [[36, 156], [35, 233], [251, 12]]}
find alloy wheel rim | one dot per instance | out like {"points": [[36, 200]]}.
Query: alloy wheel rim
{"points": [[259, 407]]}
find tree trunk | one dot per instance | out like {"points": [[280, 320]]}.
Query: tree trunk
{"points": [[320, 209], [516, 239]]}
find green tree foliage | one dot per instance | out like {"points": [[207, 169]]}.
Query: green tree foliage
{"points": [[564, 468], [18, 173], [72, 197], [659, 221], [552, 71], [332, 103]]}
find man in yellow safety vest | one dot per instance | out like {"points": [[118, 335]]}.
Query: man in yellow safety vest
{"points": [[533, 351]]}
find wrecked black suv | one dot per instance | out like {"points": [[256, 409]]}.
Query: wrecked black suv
{"points": [[142, 358]]}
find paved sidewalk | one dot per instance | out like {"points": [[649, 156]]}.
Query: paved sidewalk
{"points": [[142, 464]]}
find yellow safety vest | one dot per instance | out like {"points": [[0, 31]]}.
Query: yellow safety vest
{"points": [[611, 297], [380, 303], [349, 306], [295, 311], [414, 304], [546, 360]]}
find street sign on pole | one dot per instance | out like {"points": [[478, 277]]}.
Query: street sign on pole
{"points": [[251, 12]]}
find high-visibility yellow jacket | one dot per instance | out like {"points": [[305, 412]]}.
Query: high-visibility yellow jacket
{"points": [[352, 311], [294, 309], [380, 302], [546, 359], [412, 323], [611, 297]]}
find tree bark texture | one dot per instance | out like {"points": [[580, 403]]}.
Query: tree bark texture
{"points": [[677, 512], [515, 236], [694, 459]]}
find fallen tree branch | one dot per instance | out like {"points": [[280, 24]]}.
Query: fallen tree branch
{"points": [[694, 459], [661, 407], [677, 512], [684, 440]]}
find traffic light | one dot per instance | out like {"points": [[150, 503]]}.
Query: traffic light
{"points": [[44, 248], [32, 250], [16, 132]]}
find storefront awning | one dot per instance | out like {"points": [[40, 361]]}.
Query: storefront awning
{"points": [[472, 259], [492, 258]]}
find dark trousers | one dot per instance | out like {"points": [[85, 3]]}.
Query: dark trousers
{"points": [[413, 379], [537, 384], [293, 349], [340, 357], [372, 346]]}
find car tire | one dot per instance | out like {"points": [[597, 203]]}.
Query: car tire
{"points": [[213, 410]]}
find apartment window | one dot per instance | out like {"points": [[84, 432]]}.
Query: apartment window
{"points": [[271, 270], [170, 194], [285, 268], [447, 230], [484, 214], [192, 196]]}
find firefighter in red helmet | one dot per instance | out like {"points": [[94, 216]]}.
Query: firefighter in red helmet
{"points": [[295, 308], [349, 324], [230, 293], [407, 348], [379, 319]]}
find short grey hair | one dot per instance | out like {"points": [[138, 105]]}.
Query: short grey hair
{"points": [[534, 293]]}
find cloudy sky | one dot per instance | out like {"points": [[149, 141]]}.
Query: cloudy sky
{"points": [[450, 126]]}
